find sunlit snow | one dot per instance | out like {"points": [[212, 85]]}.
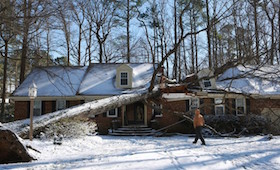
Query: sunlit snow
{"points": [[176, 152]]}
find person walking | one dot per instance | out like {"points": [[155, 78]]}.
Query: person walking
{"points": [[198, 123]]}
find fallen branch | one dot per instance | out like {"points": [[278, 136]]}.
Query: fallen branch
{"points": [[30, 147], [96, 107], [186, 116]]}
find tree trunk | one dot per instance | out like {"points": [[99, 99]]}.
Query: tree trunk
{"points": [[256, 31], [279, 31], [48, 45], [79, 44], [4, 82], [175, 41], [192, 41], [92, 108], [272, 43], [26, 25], [89, 44], [208, 35], [127, 31], [11, 149], [100, 50]]}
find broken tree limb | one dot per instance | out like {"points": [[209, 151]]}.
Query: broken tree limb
{"points": [[186, 116], [21, 127]]}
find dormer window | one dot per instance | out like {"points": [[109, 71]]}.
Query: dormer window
{"points": [[206, 83], [124, 78]]}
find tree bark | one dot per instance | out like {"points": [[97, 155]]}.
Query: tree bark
{"points": [[26, 25], [256, 31], [175, 41], [4, 82], [208, 35], [11, 149], [127, 31]]}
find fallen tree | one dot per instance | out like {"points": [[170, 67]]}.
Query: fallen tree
{"points": [[21, 127], [11, 149]]}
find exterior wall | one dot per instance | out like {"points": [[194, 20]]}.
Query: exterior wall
{"points": [[21, 110], [208, 106], [71, 103], [169, 118], [47, 107], [258, 105], [105, 123]]}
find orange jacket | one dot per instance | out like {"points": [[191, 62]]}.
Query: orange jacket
{"points": [[198, 119]]}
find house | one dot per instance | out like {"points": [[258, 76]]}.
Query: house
{"points": [[240, 91], [63, 87]]}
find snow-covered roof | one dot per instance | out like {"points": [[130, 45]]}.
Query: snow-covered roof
{"points": [[249, 79], [101, 79], [53, 81], [96, 80]]}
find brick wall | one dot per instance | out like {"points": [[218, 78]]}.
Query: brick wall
{"points": [[208, 106], [169, 118], [48, 107], [21, 110], [104, 123], [74, 102], [257, 105]]}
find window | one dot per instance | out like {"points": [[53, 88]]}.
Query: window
{"points": [[157, 112], [60, 104], [112, 113], [219, 106], [37, 108], [240, 106], [124, 78], [206, 83], [194, 104]]}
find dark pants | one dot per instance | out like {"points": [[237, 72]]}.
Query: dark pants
{"points": [[198, 135]]}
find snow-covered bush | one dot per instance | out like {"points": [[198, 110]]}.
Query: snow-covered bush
{"points": [[229, 123], [254, 123], [224, 123], [69, 128]]}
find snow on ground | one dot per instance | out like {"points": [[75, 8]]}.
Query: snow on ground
{"points": [[176, 152]]}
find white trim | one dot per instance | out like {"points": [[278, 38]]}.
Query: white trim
{"points": [[153, 110], [124, 85], [206, 81], [219, 104], [244, 106], [176, 96], [193, 107], [64, 103], [115, 115], [40, 107]]}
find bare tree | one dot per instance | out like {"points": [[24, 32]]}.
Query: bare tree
{"points": [[102, 13]]}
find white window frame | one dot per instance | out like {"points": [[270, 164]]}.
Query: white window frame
{"points": [[115, 115], [153, 111], [57, 103], [206, 81], [39, 107], [126, 78], [219, 104], [236, 106], [193, 107]]}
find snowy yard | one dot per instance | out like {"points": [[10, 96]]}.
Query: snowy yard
{"points": [[177, 152]]}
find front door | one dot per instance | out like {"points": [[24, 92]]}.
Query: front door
{"points": [[139, 113], [134, 114]]}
